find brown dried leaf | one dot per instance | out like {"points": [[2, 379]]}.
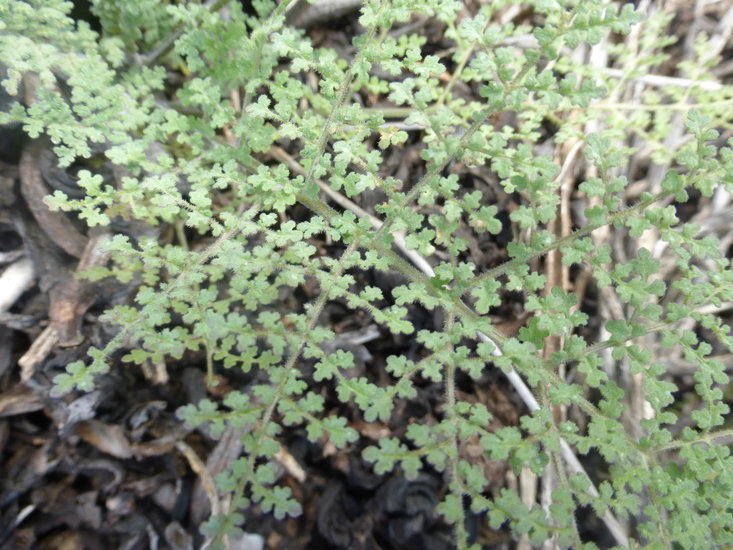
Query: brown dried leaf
{"points": [[19, 399], [72, 297], [55, 224], [108, 439]]}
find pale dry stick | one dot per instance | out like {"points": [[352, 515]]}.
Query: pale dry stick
{"points": [[227, 449], [42, 346], [609, 306], [199, 468], [639, 407], [558, 275], [207, 481], [14, 281], [514, 379], [527, 489], [660, 81], [290, 464], [695, 27], [571, 150], [24, 513], [713, 309], [721, 200], [155, 372], [597, 57]]}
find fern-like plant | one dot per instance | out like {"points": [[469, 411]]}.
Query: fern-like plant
{"points": [[536, 122]]}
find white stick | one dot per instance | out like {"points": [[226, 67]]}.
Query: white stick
{"points": [[14, 281]]}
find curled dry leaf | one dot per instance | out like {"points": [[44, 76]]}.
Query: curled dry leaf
{"points": [[19, 399], [55, 224], [112, 440], [73, 296], [108, 439]]}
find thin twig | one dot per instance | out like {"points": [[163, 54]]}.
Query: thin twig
{"points": [[660, 81], [199, 468]]}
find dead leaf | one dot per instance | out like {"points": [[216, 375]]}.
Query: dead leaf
{"points": [[72, 296], [108, 439], [19, 399]]}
